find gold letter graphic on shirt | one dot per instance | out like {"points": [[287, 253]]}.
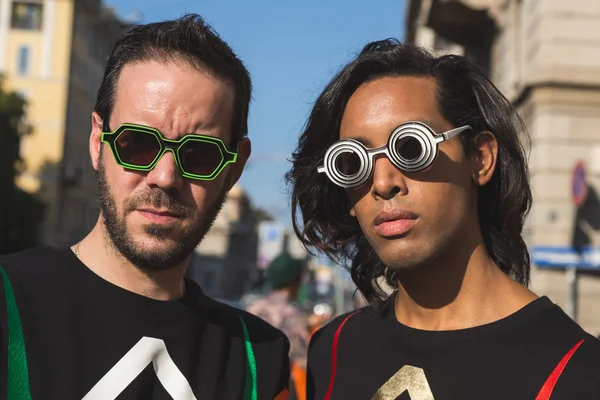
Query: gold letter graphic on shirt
{"points": [[408, 379], [147, 350]]}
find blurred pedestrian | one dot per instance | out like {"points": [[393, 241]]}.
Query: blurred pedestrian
{"points": [[285, 275]]}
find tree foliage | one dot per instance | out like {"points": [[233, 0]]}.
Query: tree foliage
{"points": [[20, 212]]}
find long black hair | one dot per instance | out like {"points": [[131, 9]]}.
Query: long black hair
{"points": [[465, 96]]}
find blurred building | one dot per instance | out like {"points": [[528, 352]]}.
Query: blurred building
{"points": [[544, 55], [225, 262], [53, 52]]}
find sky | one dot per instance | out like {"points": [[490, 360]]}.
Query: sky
{"points": [[291, 49]]}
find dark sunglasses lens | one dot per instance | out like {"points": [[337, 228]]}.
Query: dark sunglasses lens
{"points": [[137, 148], [348, 163], [409, 148], [199, 157]]}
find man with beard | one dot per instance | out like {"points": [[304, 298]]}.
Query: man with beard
{"points": [[113, 316]]}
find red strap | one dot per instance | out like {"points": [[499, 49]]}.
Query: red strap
{"points": [[548, 387], [336, 339], [284, 395]]}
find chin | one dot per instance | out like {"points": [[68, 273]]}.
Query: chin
{"points": [[155, 254], [153, 244], [405, 256], [403, 265], [158, 232], [160, 241]]}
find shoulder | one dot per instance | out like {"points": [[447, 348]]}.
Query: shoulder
{"points": [[583, 355], [36, 262], [553, 330], [258, 307], [578, 370], [323, 339], [36, 255], [260, 330], [269, 346], [241, 322], [554, 326], [575, 355], [589, 353], [323, 347]]}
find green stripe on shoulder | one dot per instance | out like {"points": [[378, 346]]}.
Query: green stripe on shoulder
{"points": [[251, 389], [18, 375]]}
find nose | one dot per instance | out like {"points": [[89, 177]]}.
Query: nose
{"points": [[165, 174], [388, 181]]}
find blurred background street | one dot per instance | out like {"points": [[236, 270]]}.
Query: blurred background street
{"points": [[544, 55]]}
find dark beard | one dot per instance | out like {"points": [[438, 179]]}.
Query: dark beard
{"points": [[147, 259]]}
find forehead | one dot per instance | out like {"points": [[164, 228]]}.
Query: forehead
{"points": [[174, 98], [379, 106]]}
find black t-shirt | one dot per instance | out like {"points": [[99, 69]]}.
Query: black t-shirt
{"points": [[68, 334], [538, 353]]}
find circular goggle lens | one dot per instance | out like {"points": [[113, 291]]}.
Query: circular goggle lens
{"points": [[348, 163], [408, 148]]}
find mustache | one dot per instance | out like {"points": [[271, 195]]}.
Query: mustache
{"points": [[158, 199]]}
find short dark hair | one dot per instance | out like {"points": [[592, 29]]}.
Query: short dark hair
{"points": [[320, 210], [189, 39]]}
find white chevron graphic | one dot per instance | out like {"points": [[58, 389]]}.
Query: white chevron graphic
{"points": [[147, 350]]}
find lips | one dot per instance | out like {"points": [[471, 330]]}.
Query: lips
{"points": [[395, 222], [159, 216], [162, 213]]}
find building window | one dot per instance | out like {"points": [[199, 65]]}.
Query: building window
{"points": [[23, 66], [27, 15]]}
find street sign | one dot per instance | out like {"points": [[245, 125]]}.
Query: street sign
{"points": [[570, 261], [579, 186], [566, 256], [270, 242]]}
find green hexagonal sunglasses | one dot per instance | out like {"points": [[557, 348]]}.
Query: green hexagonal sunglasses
{"points": [[139, 148]]}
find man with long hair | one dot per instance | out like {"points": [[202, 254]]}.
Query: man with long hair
{"points": [[411, 170], [113, 316]]}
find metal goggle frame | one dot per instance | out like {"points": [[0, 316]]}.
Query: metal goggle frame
{"points": [[411, 147]]}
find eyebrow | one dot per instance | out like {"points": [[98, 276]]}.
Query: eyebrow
{"points": [[362, 139], [366, 141], [204, 126], [433, 125]]}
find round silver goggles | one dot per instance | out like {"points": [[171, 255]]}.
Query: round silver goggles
{"points": [[412, 147]]}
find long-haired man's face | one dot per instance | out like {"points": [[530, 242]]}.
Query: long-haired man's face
{"points": [[410, 219], [155, 219]]}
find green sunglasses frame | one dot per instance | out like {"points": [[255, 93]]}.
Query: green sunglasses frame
{"points": [[227, 156]]}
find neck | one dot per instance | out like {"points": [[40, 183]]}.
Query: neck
{"points": [[99, 255], [458, 291]]}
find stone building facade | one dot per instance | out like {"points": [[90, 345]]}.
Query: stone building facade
{"points": [[544, 55]]}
